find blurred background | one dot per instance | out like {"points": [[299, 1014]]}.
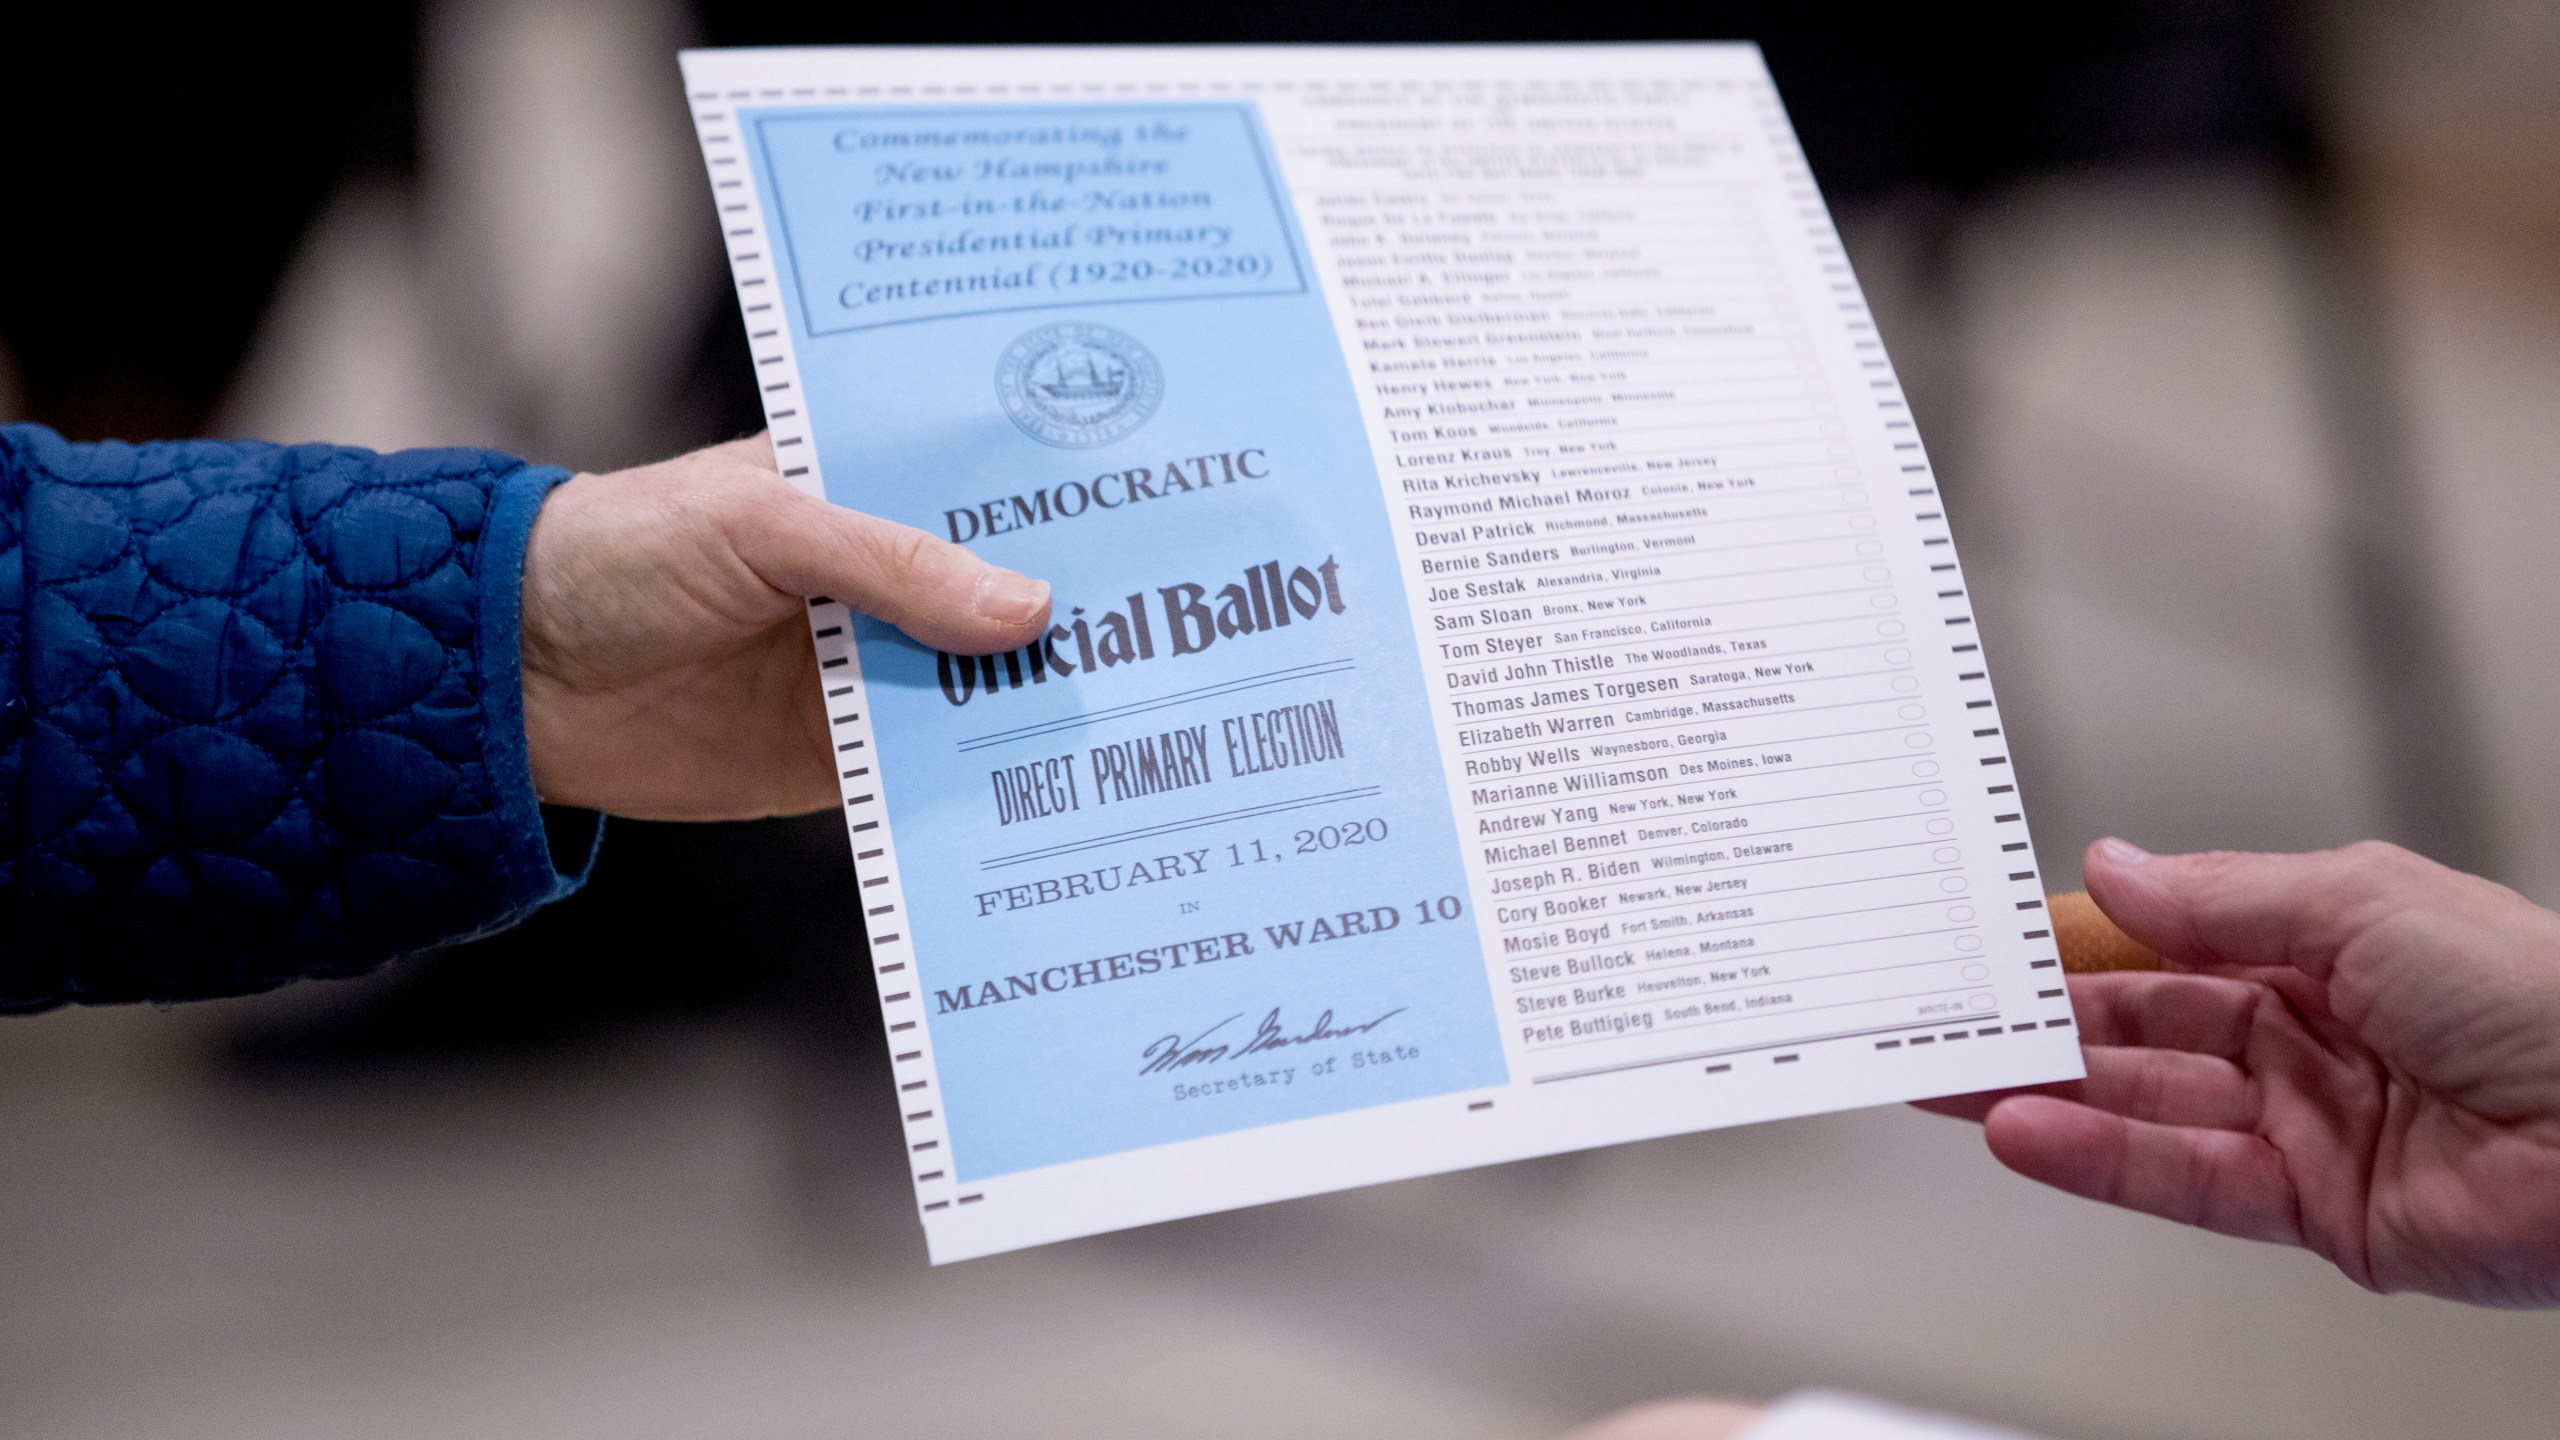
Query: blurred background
{"points": [[2234, 329]]}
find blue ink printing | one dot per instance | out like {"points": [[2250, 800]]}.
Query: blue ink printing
{"points": [[1202, 824]]}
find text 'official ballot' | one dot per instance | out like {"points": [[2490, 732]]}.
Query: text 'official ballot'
{"points": [[1510, 688]]}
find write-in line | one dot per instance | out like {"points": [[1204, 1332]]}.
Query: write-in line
{"points": [[1799, 1040]]}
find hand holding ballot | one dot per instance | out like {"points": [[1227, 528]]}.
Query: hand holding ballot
{"points": [[667, 667], [2355, 1051], [383, 663]]}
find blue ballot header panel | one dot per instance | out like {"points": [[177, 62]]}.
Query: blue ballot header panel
{"points": [[899, 216], [1187, 865]]}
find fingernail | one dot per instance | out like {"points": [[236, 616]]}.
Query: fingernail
{"points": [[1011, 597], [2123, 852]]}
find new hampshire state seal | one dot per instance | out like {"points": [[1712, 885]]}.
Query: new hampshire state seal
{"points": [[1076, 385]]}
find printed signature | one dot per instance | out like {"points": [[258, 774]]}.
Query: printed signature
{"points": [[1173, 1052]]}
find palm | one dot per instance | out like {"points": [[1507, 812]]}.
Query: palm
{"points": [[2403, 1185], [2387, 1096], [2436, 1087], [731, 734]]}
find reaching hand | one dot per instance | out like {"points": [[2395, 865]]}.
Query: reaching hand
{"points": [[668, 672], [2355, 1051]]}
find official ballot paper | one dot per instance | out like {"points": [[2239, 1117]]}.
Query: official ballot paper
{"points": [[1511, 686]]}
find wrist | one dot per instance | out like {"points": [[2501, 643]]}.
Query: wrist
{"points": [[514, 713]]}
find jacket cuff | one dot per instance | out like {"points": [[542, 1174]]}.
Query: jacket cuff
{"points": [[549, 851]]}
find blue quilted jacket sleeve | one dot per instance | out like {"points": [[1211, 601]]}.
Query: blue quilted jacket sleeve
{"points": [[263, 718]]}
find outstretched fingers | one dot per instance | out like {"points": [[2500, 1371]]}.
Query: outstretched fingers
{"points": [[2231, 909], [2222, 1180], [2170, 1087], [1977, 1107], [2160, 1046], [2166, 1010]]}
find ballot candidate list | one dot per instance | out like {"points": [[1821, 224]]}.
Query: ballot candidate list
{"points": [[1512, 411], [1704, 797]]}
